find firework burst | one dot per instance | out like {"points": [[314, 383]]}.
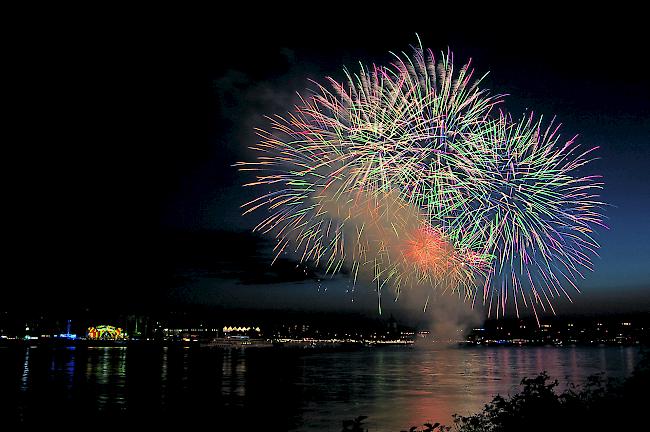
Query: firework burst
{"points": [[536, 210], [408, 174]]}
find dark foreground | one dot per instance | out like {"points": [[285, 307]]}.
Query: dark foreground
{"points": [[597, 404], [277, 389]]}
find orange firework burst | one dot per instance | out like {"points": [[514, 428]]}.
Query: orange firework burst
{"points": [[432, 255], [428, 250]]}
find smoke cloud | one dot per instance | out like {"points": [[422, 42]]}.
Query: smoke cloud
{"points": [[388, 244]]}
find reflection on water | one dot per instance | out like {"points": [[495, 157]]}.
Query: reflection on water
{"points": [[25, 374], [233, 371], [278, 389]]}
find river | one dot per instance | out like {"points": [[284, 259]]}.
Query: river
{"points": [[278, 389]]}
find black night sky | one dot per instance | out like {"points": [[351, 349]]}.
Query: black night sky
{"points": [[124, 195]]}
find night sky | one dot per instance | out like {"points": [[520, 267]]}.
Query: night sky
{"points": [[125, 195]]}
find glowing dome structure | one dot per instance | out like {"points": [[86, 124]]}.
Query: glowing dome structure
{"points": [[106, 332]]}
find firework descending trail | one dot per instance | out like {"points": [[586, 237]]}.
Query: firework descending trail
{"points": [[412, 175]]}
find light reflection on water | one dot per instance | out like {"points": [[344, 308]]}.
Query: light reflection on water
{"points": [[25, 375], [282, 389], [233, 372]]}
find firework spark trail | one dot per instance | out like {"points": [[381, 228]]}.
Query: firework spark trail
{"points": [[538, 211], [406, 173]]}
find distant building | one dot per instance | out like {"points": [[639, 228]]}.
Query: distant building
{"points": [[106, 332]]}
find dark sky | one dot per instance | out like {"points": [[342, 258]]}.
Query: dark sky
{"points": [[124, 194]]}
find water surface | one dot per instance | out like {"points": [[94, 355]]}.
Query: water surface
{"points": [[277, 389]]}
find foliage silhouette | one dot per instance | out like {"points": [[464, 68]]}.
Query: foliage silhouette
{"points": [[599, 404]]}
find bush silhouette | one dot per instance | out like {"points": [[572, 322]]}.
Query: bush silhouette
{"points": [[597, 405]]}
